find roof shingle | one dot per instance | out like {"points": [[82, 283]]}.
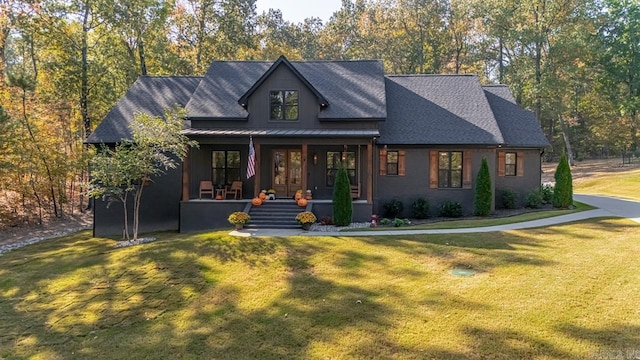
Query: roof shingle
{"points": [[438, 110], [150, 95]]}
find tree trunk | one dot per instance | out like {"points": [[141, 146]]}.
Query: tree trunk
{"points": [[126, 217], [567, 142], [143, 63], [84, 88]]}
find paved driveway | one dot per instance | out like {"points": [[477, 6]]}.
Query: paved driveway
{"points": [[614, 206]]}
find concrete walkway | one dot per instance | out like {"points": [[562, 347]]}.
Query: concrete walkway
{"points": [[607, 207]]}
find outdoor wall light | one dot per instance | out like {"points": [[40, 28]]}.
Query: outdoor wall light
{"points": [[315, 159]]}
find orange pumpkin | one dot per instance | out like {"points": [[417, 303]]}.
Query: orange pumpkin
{"points": [[298, 196], [218, 197], [302, 202], [256, 201], [262, 196]]}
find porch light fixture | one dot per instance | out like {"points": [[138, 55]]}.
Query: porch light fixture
{"points": [[315, 159]]}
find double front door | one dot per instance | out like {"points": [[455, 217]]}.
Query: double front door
{"points": [[286, 171]]}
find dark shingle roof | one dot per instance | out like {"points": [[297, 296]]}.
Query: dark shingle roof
{"points": [[519, 127], [151, 95], [439, 110], [354, 89]]}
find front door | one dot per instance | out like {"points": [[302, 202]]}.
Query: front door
{"points": [[287, 171]]}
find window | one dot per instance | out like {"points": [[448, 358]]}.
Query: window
{"points": [[510, 164], [333, 164], [392, 163], [225, 167], [450, 169], [283, 105]]}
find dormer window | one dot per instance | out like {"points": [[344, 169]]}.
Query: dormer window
{"points": [[283, 105]]}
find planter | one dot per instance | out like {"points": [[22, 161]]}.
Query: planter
{"points": [[306, 226], [239, 226]]}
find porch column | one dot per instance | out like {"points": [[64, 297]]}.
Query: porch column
{"points": [[185, 176], [369, 173], [304, 175], [257, 177]]}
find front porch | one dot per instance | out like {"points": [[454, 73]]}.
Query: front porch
{"points": [[282, 164], [209, 214]]}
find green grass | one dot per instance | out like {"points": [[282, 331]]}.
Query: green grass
{"points": [[623, 184], [480, 222], [566, 291]]}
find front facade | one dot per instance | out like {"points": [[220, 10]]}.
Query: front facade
{"points": [[400, 137]]}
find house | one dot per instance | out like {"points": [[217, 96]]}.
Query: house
{"points": [[400, 137]]}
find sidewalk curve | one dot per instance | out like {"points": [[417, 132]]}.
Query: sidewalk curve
{"points": [[607, 207]]}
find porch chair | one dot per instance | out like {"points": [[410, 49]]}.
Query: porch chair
{"points": [[206, 187], [235, 189]]}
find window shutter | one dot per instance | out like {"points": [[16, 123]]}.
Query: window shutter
{"points": [[401, 167], [433, 169], [520, 163], [383, 162], [467, 161], [501, 163]]}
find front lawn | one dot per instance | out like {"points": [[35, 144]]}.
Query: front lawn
{"points": [[623, 184], [566, 291]]}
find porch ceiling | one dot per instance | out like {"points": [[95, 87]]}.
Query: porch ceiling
{"points": [[284, 132]]}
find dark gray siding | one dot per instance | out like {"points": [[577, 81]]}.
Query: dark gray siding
{"points": [[207, 214], [415, 183], [522, 185], [159, 208]]}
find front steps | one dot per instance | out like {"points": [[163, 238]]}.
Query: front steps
{"points": [[274, 214]]}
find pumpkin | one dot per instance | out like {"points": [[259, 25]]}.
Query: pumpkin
{"points": [[298, 196], [262, 196], [218, 197], [256, 201], [302, 202]]}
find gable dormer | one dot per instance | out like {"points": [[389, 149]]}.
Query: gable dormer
{"points": [[282, 61]]}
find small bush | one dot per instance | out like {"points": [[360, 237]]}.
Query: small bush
{"points": [[483, 196], [509, 199], [397, 222], [342, 203], [547, 193], [385, 221], [451, 209], [420, 208], [393, 208], [533, 199], [563, 191]]}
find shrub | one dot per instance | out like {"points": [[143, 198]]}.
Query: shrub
{"points": [[398, 222], [451, 209], [509, 199], [385, 221], [342, 205], [484, 196], [420, 208], [239, 217], [547, 193], [393, 208], [533, 199], [306, 217], [563, 191]]}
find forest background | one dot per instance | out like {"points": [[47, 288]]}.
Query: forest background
{"points": [[65, 63]]}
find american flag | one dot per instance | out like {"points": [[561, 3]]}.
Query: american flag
{"points": [[251, 163]]}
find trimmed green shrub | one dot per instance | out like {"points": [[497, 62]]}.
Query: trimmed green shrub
{"points": [[393, 208], [342, 204], [509, 199], [420, 208], [547, 193], [484, 196], [563, 191], [385, 221], [533, 199], [451, 209]]}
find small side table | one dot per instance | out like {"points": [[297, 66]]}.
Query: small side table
{"points": [[221, 192]]}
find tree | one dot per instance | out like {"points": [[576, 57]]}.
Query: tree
{"points": [[563, 190], [342, 205], [484, 195], [155, 147]]}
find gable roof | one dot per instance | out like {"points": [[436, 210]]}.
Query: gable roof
{"points": [[519, 127], [281, 61], [352, 89], [151, 95], [439, 110]]}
